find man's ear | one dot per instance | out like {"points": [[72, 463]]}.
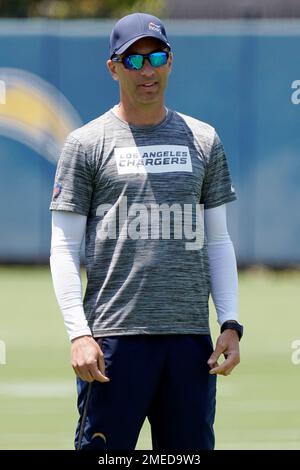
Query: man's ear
{"points": [[112, 69]]}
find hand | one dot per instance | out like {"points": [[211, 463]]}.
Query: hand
{"points": [[88, 360], [228, 344]]}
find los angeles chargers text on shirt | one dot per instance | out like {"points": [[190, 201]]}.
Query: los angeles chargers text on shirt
{"points": [[153, 159]]}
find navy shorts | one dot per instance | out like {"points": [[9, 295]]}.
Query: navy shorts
{"points": [[162, 377]]}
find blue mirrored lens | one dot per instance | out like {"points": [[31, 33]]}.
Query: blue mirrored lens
{"points": [[158, 58], [136, 61]]}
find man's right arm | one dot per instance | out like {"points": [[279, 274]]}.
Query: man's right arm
{"points": [[67, 235]]}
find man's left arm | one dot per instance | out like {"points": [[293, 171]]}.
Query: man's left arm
{"points": [[224, 289]]}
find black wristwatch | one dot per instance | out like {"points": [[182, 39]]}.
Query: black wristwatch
{"points": [[233, 325]]}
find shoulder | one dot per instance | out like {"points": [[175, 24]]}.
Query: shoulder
{"points": [[204, 135], [85, 143], [90, 133], [198, 127]]}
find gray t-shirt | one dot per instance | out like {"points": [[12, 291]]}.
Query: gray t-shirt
{"points": [[142, 190]]}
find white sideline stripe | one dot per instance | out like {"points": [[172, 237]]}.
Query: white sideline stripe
{"points": [[37, 389]]}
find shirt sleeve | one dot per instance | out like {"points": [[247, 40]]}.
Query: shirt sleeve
{"points": [[217, 187], [73, 184]]}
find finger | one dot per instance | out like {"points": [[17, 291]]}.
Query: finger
{"points": [[212, 365], [97, 374], [213, 360], [226, 367], [220, 370], [83, 373], [101, 363]]}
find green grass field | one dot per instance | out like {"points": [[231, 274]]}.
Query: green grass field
{"points": [[258, 405]]}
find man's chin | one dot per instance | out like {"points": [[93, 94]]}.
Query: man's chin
{"points": [[148, 102], [149, 98]]}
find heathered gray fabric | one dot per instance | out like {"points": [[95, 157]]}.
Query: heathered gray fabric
{"points": [[143, 285]]}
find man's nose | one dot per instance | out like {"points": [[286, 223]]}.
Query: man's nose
{"points": [[147, 68]]}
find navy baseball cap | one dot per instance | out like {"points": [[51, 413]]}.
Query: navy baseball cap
{"points": [[131, 28]]}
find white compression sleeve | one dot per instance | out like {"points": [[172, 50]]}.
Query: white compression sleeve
{"points": [[67, 235], [222, 261]]}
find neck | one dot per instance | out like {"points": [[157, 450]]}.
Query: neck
{"points": [[147, 116]]}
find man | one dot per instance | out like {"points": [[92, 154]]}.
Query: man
{"points": [[141, 345]]}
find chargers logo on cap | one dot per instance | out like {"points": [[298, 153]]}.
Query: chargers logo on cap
{"points": [[155, 27], [35, 113]]}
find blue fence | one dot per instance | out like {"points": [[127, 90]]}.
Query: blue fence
{"points": [[241, 77]]}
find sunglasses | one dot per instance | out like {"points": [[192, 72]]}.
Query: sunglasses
{"points": [[136, 61]]}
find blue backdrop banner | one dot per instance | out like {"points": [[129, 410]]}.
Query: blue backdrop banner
{"points": [[242, 77]]}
